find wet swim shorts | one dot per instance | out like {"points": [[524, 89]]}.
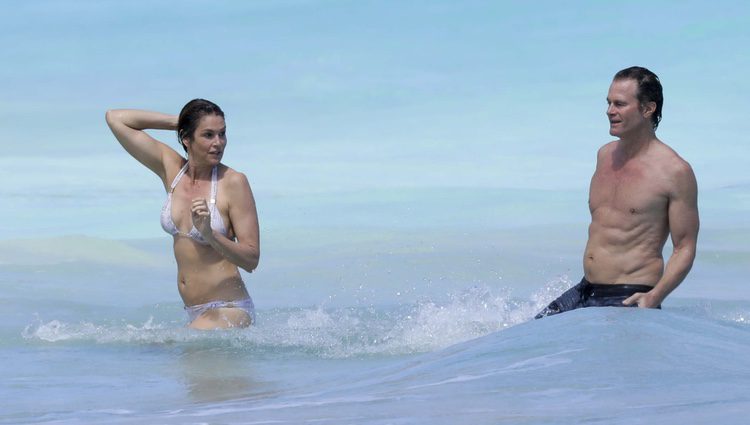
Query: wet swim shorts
{"points": [[587, 294]]}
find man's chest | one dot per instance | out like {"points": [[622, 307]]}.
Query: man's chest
{"points": [[633, 190]]}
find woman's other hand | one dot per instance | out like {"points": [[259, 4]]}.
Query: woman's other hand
{"points": [[201, 217]]}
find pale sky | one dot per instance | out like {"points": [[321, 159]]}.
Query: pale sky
{"points": [[348, 95]]}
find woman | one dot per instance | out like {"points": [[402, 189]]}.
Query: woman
{"points": [[209, 210]]}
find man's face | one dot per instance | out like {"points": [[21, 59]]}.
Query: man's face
{"points": [[624, 111]]}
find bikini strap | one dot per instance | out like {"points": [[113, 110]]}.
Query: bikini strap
{"points": [[214, 178], [178, 177]]}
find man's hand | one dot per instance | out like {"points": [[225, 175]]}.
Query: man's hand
{"points": [[642, 300]]}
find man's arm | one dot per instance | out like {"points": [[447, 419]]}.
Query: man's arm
{"points": [[683, 226]]}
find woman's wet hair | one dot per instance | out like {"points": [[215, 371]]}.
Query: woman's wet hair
{"points": [[191, 115], [649, 89]]}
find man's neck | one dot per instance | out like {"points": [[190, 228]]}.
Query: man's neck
{"points": [[632, 145]]}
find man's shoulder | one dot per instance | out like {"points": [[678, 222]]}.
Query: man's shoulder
{"points": [[676, 169], [607, 148], [670, 160]]}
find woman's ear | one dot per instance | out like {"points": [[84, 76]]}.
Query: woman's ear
{"points": [[183, 141]]}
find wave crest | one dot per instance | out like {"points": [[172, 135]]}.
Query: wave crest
{"points": [[422, 326]]}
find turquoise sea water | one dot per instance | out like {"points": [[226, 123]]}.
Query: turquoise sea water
{"points": [[420, 170], [409, 305]]}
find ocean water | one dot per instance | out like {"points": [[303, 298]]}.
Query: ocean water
{"points": [[406, 306], [420, 170]]}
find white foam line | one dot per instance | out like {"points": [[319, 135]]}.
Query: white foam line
{"points": [[278, 406], [528, 364]]}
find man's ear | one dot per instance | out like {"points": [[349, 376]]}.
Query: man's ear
{"points": [[648, 109]]}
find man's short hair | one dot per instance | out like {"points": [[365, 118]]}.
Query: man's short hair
{"points": [[649, 89]]}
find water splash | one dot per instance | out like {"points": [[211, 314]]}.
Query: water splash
{"points": [[423, 326]]}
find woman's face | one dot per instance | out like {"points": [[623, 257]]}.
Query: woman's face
{"points": [[209, 140]]}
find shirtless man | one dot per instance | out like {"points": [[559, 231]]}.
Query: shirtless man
{"points": [[641, 192]]}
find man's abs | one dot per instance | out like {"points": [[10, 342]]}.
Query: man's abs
{"points": [[630, 263]]}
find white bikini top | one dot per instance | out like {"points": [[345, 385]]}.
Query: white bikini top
{"points": [[217, 223]]}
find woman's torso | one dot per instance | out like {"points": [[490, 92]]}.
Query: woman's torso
{"points": [[203, 274]]}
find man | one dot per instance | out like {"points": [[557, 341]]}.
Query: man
{"points": [[641, 192]]}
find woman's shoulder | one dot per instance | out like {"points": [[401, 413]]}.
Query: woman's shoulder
{"points": [[233, 179], [172, 166]]}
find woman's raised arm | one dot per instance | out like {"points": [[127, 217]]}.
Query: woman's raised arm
{"points": [[128, 124]]}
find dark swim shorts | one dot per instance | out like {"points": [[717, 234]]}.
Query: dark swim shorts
{"points": [[587, 294]]}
